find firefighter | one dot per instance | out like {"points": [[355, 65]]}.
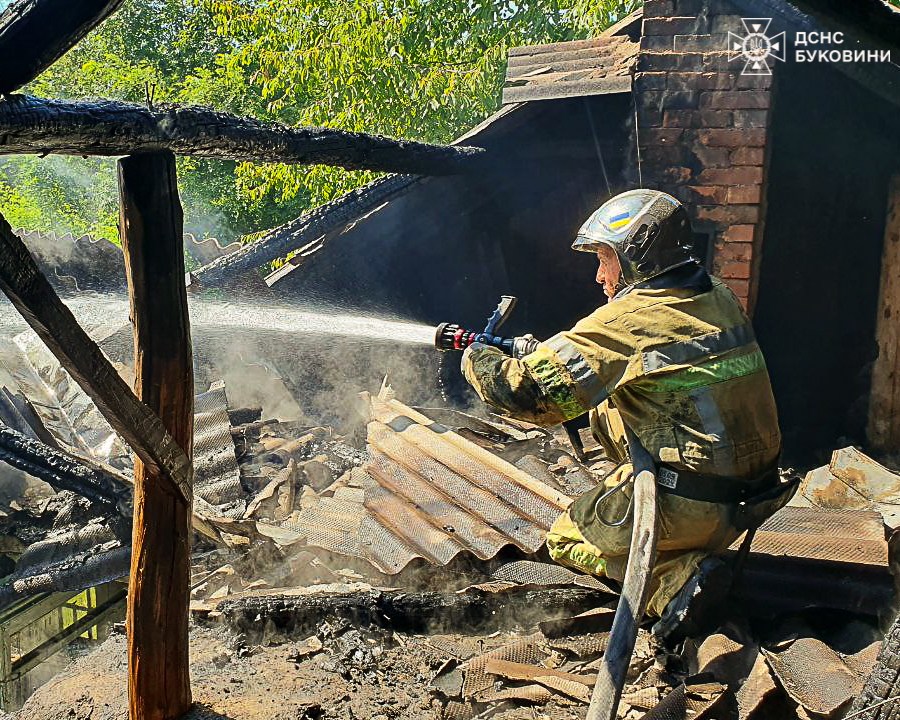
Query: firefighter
{"points": [[673, 356]]}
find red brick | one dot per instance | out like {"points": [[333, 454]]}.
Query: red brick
{"points": [[650, 118], [715, 118], [664, 99], [690, 62], [736, 99], [757, 82], [677, 174], [700, 43], [751, 118], [700, 80], [734, 252], [679, 118], [658, 8], [744, 194], [735, 175], [739, 234], [739, 270], [703, 194], [650, 81], [741, 288], [732, 137], [657, 43], [663, 154], [748, 156], [728, 23], [711, 157], [675, 25], [729, 214], [663, 136], [696, 118]]}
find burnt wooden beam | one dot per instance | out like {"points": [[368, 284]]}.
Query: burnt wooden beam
{"points": [[105, 127], [151, 227], [60, 470], [69, 574], [415, 612], [32, 295], [34, 34], [312, 229]]}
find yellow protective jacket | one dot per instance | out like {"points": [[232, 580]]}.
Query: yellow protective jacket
{"points": [[680, 365]]}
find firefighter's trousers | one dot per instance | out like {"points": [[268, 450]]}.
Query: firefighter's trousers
{"points": [[689, 530]]}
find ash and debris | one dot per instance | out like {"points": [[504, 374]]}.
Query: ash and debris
{"points": [[289, 624], [282, 629]]}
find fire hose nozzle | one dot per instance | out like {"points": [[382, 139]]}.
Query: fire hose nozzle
{"points": [[450, 336]]}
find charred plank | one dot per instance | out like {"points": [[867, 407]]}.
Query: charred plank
{"points": [[59, 470], [152, 226], [325, 222], [110, 128], [34, 34], [74, 573], [407, 612]]}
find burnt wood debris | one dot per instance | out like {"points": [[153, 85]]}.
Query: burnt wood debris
{"points": [[309, 232], [110, 128], [58, 469], [34, 35], [156, 419]]}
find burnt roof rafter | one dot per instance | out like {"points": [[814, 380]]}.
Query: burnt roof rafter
{"points": [[30, 125], [34, 34]]}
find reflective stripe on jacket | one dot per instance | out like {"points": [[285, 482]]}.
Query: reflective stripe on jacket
{"points": [[682, 367]]}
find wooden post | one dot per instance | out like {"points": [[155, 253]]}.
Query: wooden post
{"points": [[884, 401], [151, 227]]}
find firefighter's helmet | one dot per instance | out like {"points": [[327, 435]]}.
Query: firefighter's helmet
{"points": [[649, 230]]}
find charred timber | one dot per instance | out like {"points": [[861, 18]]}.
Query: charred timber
{"points": [[407, 612], [32, 295], [105, 127], [312, 229], [59, 470], [36, 33], [74, 573]]}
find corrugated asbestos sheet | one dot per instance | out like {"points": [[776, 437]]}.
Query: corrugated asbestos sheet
{"points": [[86, 263], [216, 476], [813, 557], [853, 480], [427, 493], [570, 69], [29, 371]]}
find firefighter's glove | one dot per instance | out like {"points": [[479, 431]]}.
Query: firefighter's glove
{"points": [[524, 345]]}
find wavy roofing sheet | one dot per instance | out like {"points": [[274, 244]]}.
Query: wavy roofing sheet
{"points": [[428, 493], [578, 68]]}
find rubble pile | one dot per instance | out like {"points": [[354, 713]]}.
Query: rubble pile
{"points": [[397, 564]]}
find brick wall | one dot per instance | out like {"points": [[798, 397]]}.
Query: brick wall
{"points": [[702, 129]]}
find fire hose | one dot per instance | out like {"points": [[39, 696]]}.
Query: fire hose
{"points": [[645, 531]]}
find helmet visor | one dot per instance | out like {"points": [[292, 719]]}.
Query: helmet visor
{"points": [[611, 223]]}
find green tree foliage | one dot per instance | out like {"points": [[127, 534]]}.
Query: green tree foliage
{"points": [[419, 69]]}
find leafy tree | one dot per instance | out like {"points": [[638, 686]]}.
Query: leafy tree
{"points": [[419, 69]]}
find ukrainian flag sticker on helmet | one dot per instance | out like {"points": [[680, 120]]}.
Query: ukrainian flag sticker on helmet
{"points": [[612, 221], [620, 220]]}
